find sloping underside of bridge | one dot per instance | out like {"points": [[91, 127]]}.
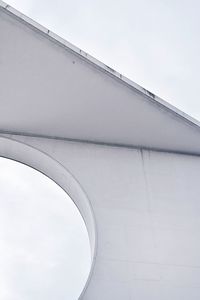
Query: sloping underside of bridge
{"points": [[50, 88]]}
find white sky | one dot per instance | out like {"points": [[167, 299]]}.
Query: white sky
{"points": [[155, 43], [44, 246]]}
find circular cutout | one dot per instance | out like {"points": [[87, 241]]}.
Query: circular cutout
{"points": [[44, 245]]}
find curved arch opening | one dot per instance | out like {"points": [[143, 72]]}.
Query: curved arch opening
{"points": [[45, 248]]}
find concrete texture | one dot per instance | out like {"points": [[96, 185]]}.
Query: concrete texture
{"points": [[146, 208], [49, 88], [141, 207]]}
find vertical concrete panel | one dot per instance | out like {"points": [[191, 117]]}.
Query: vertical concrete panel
{"points": [[146, 207]]}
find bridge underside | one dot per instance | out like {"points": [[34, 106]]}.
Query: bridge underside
{"points": [[50, 88], [133, 158]]}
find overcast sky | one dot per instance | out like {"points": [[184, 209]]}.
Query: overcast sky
{"points": [[155, 43], [44, 246]]}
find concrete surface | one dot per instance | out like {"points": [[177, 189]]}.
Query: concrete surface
{"points": [[141, 206], [146, 208], [50, 88]]}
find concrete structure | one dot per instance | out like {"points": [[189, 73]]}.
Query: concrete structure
{"points": [[129, 160]]}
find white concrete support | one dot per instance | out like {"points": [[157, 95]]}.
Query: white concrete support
{"points": [[146, 208], [86, 127]]}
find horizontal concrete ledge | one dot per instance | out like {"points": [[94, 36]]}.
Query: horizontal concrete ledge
{"points": [[51, 35], [137, 147]]}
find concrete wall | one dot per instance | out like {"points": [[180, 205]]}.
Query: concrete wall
{"points": [[146, 206]]}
